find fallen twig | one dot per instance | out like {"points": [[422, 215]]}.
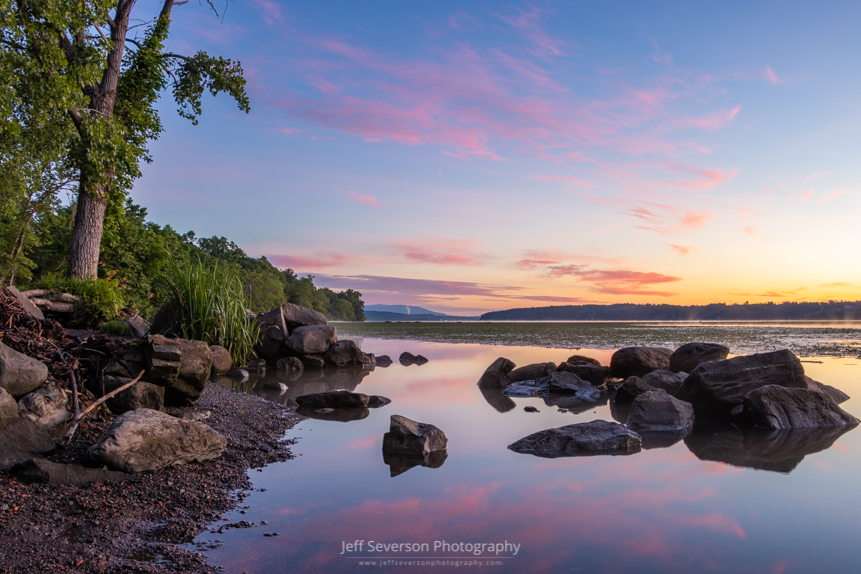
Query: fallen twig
{"points": [[67, 438]]}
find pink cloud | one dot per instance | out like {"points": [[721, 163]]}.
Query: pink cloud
{"points": [[308, 262], [366, 199], [681, 249], [694, 220], [832, 195], [713, 121], [615, 281], [707, 178], [572, 179], [817, 175], [807, 194], [530, 24], [271, 11], [752, 231], [440, 251], [771, 76]]}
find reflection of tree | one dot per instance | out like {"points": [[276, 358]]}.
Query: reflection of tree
{"points": [[777, 451]]}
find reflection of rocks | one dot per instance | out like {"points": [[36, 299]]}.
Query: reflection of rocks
{"points": [[333, 400], [312, 381], [410, 437], [496, 375], [778, 451], [400, 463], [687, 357], [583, 439], [336, 415], [718, 386], [662, 439], [583, 359], [497, 400], [638, 361], [658, 411], [290, 365], [775, 407], [619, 410]]}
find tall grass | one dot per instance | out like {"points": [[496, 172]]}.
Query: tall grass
{"points": [[207, 303]]}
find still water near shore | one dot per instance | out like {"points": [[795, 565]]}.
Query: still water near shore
{"points": [[719, 500]]}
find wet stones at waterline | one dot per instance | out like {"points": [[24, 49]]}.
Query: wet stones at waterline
{"points": [[583, 439], [776, 407]]}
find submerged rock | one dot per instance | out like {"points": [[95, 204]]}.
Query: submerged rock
{"points": [[582, 439], [776, 407], [410, 437], [145, 440], [688, 357], [639, 361]]}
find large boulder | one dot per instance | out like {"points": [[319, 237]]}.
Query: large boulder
{"points": [[22, 441], [20, 374], [145, 440], [496, 375], [688, 357], [333, 400], [582, 439], [632, 388], [46, 406], [296, 316], [40, 471], [667, 380], [162, 358], [776, 407], [836, 394], [273, 333], [8, 410], [595, 374], [531, 372], [221, 359], [181, 366], [311, 340], [658, 411], [345, 353], [718, 386], [409, 437], [639, 361]]}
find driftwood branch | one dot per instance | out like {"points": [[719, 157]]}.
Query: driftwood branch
{"points": [[67, 438]]}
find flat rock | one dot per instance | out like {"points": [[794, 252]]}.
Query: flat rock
{"points": [[312, 339], [658, 411], [145, 440], [496, 375], [408, 359], [582, 439], [22, 441], [531, 372], [688, 357], [296, 316], [570, 384], [333, 400], [40, 471], [20, 374], [583, 360], [639, 361], [632, 388], [776, 407], [410, 437], [717, 386]]}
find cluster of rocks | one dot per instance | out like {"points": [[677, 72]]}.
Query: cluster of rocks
{"points": [[661, 392]]}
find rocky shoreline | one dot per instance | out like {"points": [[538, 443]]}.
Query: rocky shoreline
{"points": [[137, 525]]}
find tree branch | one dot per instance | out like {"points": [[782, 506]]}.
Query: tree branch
{"points": [[67, 438]]}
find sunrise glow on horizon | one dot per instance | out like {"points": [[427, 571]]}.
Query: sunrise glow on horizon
{"points": [[469, 157]]}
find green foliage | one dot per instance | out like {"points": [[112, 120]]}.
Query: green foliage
{"points": [[114, 328], [204, 72], [99, 301], [207, 303]]}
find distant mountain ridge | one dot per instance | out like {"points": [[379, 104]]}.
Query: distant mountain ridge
{"points": [[826, 311], [402, 309]]}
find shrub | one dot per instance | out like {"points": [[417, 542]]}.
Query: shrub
{"points": [[114, 328], [99, 300], [206, 303]]}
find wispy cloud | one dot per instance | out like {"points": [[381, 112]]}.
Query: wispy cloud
{"points": [[681, 249], [752, 231], [271, 11], [308, 262], [713, 121], [706, 178], [832, 195], [610, 281], [529, 23], [568, 178], [363, 198], [771, 76], [440, 251], [815, 176]]}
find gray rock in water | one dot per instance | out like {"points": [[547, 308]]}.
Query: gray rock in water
{"points": [[639, 361], [313, 339], [377, 401], [531, 410], [22, 441], [570, 384], [410, 437], [8, 410], [345, 353], [46, 406], [221, 359], [333, 400], [632, 388], [666, 380], [776, 407], [145, 440], [40, 471], [582, 360], [496, 375], [658, 411], [29, 308], [383, 361], [583, 439], [836, 394], [595, 374], [688, 357], [715, 387], [531, 372], [20, 374]]}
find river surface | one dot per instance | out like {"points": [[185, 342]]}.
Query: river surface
{"points": [[719, 500]]}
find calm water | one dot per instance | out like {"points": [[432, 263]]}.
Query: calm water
{"points": [[718, 501]]}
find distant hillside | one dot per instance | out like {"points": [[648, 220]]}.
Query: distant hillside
{"points": [[830, 311], [402, 309], [384, 316]]}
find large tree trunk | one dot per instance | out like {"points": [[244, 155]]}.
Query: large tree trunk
{"points": [[87, 234]]}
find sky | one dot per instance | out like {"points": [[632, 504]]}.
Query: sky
{"points": [[477, 156]]}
